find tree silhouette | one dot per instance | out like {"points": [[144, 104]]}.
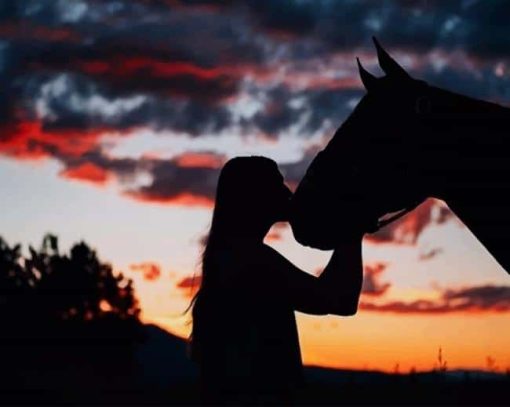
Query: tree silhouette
{"points": [[79, 286], [61, 310], [51, 286], [17, 286]]}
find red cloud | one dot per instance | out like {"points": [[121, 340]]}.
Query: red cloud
{"points": [[202, 160], [190, 285], [125, 66], [158, 75], [273, 236], [190, 282], [167, 75], [188, 180], [87, 172], [29, 140], [182, 199], [28, 30], [151, 271], [275, 233]]}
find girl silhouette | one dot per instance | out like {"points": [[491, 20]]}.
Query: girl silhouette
{"points": [[244, 335]]}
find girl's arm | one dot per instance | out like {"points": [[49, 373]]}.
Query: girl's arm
{"points": [[335, 291]]}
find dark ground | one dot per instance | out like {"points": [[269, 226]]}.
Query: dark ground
{"points": [[157, 372]]}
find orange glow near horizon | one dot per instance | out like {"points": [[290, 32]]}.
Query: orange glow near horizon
{"points": [[386, 341], [374, 341]]}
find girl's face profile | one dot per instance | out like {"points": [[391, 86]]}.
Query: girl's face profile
{"points": [[279, 198], [253, 187]]}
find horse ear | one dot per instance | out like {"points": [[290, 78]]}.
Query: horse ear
{"points": [[369, 80], [388, 64]]}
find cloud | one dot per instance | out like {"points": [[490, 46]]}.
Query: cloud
{"points": [[188, 179], [76, 72], [150, 271], [284, 18], [407, 229], [484, 298], [275, 234], [146, 74], [305, 111], [371, 284], [86, 172], [27, 139], [189, 285], [74, 102], [200, 159], [191, 184], [293, 172], [189, 282], [23, 30], [430, 254]]}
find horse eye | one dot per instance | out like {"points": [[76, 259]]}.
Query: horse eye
{"points": [[423, 105]]}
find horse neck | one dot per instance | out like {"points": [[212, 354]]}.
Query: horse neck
{"points": [[468, 151]]}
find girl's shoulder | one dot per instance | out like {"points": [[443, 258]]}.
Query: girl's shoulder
{"points": [[247, 260], [235, 254]]}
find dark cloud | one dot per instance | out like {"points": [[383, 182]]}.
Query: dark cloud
{"points": [[476, 26], [372, 286], [187, 179], [485, 27], [486, 298], [175, 183], [101, 167], [70, 101], [132, 68], [308, 110], [73, 71], [430, 254], [285, 16]]}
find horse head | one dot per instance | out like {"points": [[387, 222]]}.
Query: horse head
{"points": [[371, 168]]}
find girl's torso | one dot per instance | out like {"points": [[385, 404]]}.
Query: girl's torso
{"points": [[249, 340]]}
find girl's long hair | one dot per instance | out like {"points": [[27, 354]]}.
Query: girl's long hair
{"points": [[238, 198]]}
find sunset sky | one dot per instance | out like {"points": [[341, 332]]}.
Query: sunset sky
{"points": [[116, 116]]}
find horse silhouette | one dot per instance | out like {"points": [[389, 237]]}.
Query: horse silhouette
{"points": [[407, 141]]}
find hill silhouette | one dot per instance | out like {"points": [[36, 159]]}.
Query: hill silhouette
{"points": [[163, 359], [171, 376]]}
